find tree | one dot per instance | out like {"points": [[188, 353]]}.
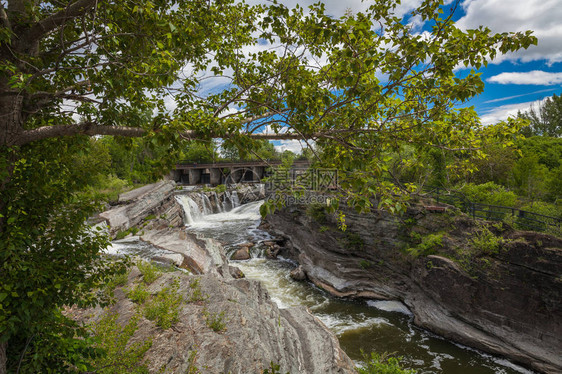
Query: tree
{"points": [[361, 86], [546, 120]]}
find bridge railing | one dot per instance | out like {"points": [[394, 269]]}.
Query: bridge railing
{"points": [[521, 218]]}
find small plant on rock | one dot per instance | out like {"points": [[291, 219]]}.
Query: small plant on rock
{"points": [[215, 321], [139, 294], [196, 293], [149, 272], [382, 364], [164, 308], [118, 355]]}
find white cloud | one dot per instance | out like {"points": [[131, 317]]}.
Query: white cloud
{"points": [[510, 110], [541, 16], [295, 146], [536, 77], [516, 96]]}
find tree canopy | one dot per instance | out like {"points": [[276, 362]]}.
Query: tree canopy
{"points": [[546, 120], [361, 86]]}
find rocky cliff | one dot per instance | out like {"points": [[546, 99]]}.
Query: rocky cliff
{"points": [[232, 326], [481, 284]]}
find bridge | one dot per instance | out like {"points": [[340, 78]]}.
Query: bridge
{"points": [[192, 173]]}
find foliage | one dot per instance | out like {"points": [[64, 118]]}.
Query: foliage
{"points": [[119, 356], [149, 272], [196, 293], [486, 241], [49, 256], [428, 245], [164, 308], [544, 208], [273, 369], [382, 364], [546, 120], [215, 321], [139, 294], [489, 193]]}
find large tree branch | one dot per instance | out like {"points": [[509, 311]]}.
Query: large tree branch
{"points": [[46, 25], [91, 129]]}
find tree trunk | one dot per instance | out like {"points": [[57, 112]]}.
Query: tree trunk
{"points": [[3, 358]]}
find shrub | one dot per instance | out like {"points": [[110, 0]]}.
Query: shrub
{"points": [[149, 272], [118, 356], [486, 241], [215, 321], [139, 294], [164, 308], [489, 193], [428, 245], [196, 293], [317, 212]]}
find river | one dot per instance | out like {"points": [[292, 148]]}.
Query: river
{"points": [[381, 326]]}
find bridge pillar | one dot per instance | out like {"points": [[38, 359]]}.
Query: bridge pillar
{"points": [[215, 176], [258, 172], [194, 176]]}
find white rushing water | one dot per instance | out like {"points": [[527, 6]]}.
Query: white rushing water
{"points": [[382, 326]]}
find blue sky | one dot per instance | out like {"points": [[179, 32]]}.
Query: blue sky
{"points": [[518, 80]]}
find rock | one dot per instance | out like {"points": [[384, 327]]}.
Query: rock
{"points": [[508, 303], [241, 254], [256, 331], [171, 259], [298, 274], [246, 245], [154, 199], [199, 256], [235, 272]]}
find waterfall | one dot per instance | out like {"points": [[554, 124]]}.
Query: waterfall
{"points": [[235, 199], [190, 209], [218, 204], [226, 202], [207, 207]]}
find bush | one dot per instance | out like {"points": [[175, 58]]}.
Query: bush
{"points": [[149, 272], [139, 294], [489, 193], [427, 246], [118, 355], [164, 308], [382, 364], [486, 241], [215, 321]]}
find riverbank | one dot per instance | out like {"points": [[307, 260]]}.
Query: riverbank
{"points": [[503, 297]]}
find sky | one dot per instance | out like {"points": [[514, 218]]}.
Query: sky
{"points": [[513, 82]]}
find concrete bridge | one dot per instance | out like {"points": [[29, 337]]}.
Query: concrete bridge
{"points": [[226, 172]]}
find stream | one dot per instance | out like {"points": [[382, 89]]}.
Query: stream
{"points": [[371, 326]]}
